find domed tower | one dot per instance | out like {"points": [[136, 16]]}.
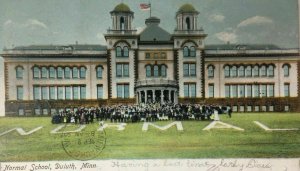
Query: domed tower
{"points": [[122, 17], [187, 17], [188, 40]]}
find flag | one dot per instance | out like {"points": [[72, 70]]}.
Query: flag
{"points": [[145, 7]]}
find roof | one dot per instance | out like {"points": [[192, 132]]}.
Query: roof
{"points": [[122, 8], [242, 46], [153, 32], [81, 47], [189, 8]]}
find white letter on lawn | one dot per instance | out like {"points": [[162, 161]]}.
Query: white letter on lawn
{"points": [[120, 126], [21, 131], [269, 129], [221, 125], [178, 125], [55, 131]]}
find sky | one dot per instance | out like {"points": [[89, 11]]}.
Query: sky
{"points": [[27, 22]]}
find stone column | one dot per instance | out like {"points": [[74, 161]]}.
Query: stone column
{"points": [[161, 96], [170, 95], [175, 97], [140, 96], [146, 95], [153, 93]]}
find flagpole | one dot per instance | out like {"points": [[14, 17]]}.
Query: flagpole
{"points": [[150, 8]]}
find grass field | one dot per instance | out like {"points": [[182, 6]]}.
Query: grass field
{"points": [[133, 143]]}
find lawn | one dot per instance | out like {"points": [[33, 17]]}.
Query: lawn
{"points": [[133, 143]]}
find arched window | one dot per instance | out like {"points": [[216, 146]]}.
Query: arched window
{"points": [[185, 51], [163, 71], [75, 72], [211, 71], [263, 71], [125, 51], [51, 72], [67, 72], [118, 51], [122, 23], [255, 71], [60, 72], [148, 71], [248, 71], [19, 72], [188, 23], [271, 71], [155, 72], [44, 72], [233, 71], [99, 72], [226, 71], [241, 71], [286, 70], [192, 51], [36, 72], [82, 72]]}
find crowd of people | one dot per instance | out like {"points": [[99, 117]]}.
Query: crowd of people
{"points": [[141, 112]]}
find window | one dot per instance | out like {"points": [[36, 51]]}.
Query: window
{"points": [[118, 51], [271, 71], [255, 71], [211, 88], [233, 71], [148, 71], [263, 90], [45, 93], [99, 91], [227, 71], [211, 71], [163, 71], [192, 51], [189, 90], [227, 91], [122, 70], [256, 90], [286, 70], [67, 73], [75, 72], [122, 23], [82, 72], [82, 92], [45, 111], [123, 91], [155, 69], [248, 71], [51, 72], [19, 92], [68, 93], [188, 23], [185, 51], [60, 93], [249, 90], [21, 112], [263, 71], [75, 92], [286, 89], [36, 93], [99, 72], [19, 72], [36, 72], [163, 55], [234, 92], [147, 55], [189, 70], [241, 90], [249, 108], [37, 111], [44, 72], [271, 90], [60, 72], [125, 51], [52, 93], [241, 71]]}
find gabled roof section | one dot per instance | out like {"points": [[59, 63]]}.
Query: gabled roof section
{"points": [[154, 33]]}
